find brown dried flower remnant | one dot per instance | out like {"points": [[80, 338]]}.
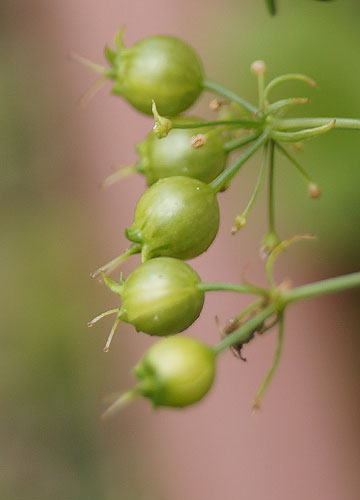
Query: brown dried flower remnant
{"points": [[197, 141]]}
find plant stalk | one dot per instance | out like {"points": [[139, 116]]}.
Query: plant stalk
{"points": [[231, 287], [238, 143], [242, 123], [301, 123], [271, 199], [219, 89], [230, 172], [324, 287]]}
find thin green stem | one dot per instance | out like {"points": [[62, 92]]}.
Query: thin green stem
{"points": [[274, 365], [219, 89], [230, 172], [324, 287], [240, 220], [231, 287], [243, 333], [242, 123], [271, 199], [317, 289], [295, 163], [283, 245], [284, 104], [238, 143], [248, 309], [271, 239], [258, 185], [261, 88], [300, 123], [287, 78]]}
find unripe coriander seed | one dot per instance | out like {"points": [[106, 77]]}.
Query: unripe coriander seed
{"points": [[160, 68], [176, 217], [175, 155], [161, 297], [176, 371], [190, 152]]}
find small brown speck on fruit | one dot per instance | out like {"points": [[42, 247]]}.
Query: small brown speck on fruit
{"points": [[197, 141]]}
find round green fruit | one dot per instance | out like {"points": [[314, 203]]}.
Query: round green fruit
{"points": [[176, 371], [160, 68], [175, 156], [176, 217], [161, 297]]}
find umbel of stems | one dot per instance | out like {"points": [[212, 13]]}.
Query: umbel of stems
{"points": [[274, 305]]}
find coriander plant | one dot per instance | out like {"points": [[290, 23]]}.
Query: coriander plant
{"points": [[187, 165]]}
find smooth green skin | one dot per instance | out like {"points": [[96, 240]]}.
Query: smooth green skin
{"points": [[162, 68], [176, 217], [174, 155], [161, 297], [176, 371]]}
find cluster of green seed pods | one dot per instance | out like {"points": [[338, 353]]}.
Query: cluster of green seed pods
{"points": [[184, 162], [176, 219]]}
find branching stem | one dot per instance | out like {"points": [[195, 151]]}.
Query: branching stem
{"points": [[230, 172], [245, 332], [282, 300]]}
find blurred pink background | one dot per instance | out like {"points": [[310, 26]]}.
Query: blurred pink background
{"points": [[304, 443]]}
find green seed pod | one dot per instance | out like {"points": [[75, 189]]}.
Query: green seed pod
{"points": [[176, 217], [161, 297], [176, 371], [160, 67], [176, 156]]}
